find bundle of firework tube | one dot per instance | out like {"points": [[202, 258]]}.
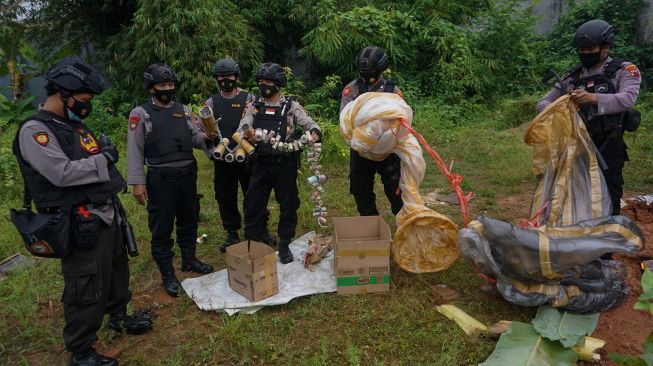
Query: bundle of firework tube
{"points": [[223, 151]]}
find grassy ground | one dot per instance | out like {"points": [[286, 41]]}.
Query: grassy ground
{"points": [[401, 327]]}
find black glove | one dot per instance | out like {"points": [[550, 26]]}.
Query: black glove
{"points": [[110, 153]]}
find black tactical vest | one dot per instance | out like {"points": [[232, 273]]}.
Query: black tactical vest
{"points": [[387, 86], [229, 112], [170, 139], [77, 142], [599, 126], [271, 118]]}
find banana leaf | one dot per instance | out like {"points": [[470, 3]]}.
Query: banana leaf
{"points": [[522, 345], [563, 326]]}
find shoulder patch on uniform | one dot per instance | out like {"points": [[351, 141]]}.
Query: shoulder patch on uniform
{"points": [[41, 138], [133, 122], [633, 70], [346, 91], [400, 94]]}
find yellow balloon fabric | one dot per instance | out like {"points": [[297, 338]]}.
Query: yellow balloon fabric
{"points": [[425, 240], [565, 164]]}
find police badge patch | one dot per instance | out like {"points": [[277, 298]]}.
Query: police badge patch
{"points": [[633, 70], [133, 122], [88, 142], [41, 138]]}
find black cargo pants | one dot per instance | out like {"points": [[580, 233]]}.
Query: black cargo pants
{"points": [[613, 149], [278, 174], [96, 282], [172, 194], [225, 183], [361, 182]]}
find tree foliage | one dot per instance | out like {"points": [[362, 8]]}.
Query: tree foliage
{"points": [[189, 36]]}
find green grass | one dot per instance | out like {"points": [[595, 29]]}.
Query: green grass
{"points": [[398, 328]]}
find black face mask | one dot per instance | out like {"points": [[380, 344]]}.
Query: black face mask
{"points": [[164, 96], [268, 90], [79, 110], [590, 59], [227, 85]]}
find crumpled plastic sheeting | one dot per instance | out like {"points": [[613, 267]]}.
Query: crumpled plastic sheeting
{"points": [[557, 265], [557, 261], [565, 164], [212, 292], [648, 199], [425, 240]]}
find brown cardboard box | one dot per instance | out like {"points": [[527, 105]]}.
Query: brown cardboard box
{"points": [[252, 270], [362, 247]]}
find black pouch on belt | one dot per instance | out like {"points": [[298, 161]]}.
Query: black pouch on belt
{"points": [[85, 228]]}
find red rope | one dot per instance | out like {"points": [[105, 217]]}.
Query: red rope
{"points": [[532, 223], [455, 179]]}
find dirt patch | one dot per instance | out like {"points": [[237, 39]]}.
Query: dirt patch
{"points": [[624, 328], [518, 206]]}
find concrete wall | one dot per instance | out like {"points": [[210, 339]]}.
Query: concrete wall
{"points": [[549, 11], [645, 22]]}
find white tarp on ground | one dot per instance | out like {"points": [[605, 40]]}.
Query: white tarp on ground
{"points": [[212, 292]]}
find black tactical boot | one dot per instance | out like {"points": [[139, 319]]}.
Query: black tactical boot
{"points": [[137, 323], [268, 239], [232, 238], [189, 262], [285, 255], [92, 358], [171, 283]]}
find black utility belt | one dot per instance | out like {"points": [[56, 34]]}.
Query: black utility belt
{"points": [[169, 171], [88, 206]]}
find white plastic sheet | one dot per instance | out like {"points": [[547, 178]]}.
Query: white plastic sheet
{"points": [[212, 292]]}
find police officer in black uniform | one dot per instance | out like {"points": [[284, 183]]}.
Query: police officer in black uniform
{"points": [[272, 168], [371, 63], [65, 167], [228, 108], [162, 134], [606, 89]]}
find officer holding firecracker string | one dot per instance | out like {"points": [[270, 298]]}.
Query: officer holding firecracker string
{"points": [[272, 122]]}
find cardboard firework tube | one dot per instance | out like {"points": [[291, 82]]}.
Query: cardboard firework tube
{"points": [[220, 149], [248, 132], [259, 134], [249, 149], [229, 158], [240, 155], [208, 119]]}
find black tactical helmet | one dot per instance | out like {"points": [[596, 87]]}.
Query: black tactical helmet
{"points": [[594, 33], [75, 76], [225, 67], [372, 60], [273, 72], [158, 73]]}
